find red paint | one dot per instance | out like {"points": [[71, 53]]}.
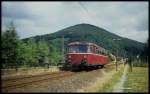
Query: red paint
{"points": [[76, 58], [92, 59]]}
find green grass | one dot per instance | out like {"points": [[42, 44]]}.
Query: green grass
{"points": [[137, 80]]}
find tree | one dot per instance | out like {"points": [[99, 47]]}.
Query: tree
{"points": [[42, 53], [10, 45], [32, 53], [145, 54]]}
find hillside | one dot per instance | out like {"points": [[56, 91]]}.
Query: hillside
{"points": [[91, 33]]}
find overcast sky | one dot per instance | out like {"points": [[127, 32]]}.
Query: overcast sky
{"points": [[127, 19]]}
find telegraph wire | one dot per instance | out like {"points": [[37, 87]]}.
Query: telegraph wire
{"points": [[87, 11]]}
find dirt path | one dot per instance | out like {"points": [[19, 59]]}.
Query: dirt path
{"points": [[119, 86]]}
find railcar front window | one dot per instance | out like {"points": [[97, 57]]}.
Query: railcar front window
{"points": [[78, 49]]}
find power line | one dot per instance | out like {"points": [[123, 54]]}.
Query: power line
{"points": [[83, 7], [87, 11]]}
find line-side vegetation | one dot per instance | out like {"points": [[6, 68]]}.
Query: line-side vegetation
{"points": [[17, 53]]}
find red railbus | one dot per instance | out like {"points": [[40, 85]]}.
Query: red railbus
{"points": [[84, 54]]}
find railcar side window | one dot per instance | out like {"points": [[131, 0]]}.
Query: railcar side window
{"points": [[97, 51], [89, 49], [78, 49], [103, 53]]}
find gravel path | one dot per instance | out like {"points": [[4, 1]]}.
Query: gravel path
{"points": [[119, 86]]}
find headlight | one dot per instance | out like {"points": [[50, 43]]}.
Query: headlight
{"points": [[69, 56], [85, 56]]}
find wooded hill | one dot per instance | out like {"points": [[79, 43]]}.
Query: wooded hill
{"points": [[91, 33]]}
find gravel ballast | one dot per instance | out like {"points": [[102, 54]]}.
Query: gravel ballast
{"points": [[67, 84]]}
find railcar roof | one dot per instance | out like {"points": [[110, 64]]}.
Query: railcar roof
{"points": [[81, 43]]}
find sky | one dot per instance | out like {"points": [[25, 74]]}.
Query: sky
{"points": [[126, 19]]}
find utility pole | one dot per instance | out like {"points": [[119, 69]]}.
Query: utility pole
{"points": [[63, 50], [117, 61], [130, 63], [116, 55]]}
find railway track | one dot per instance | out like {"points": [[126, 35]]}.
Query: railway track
{"points": [[19, 82], [9, 84]]}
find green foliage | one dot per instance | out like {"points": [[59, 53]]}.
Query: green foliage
{"points": [[31, 48], [139, 63], [55, 51], [35, 54], [42, 53], [145, 53], [111, 58], [31, 53], [24, 54], [10, 45]]}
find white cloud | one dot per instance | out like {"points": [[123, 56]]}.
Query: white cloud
{"points": [[127, 19], [133, 34]]}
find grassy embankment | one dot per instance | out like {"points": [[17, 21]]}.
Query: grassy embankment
{"points": [[137, 80], [108, 87], [107, 82]]}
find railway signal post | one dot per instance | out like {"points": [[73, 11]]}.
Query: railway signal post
{"points": [[130, 63]]}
